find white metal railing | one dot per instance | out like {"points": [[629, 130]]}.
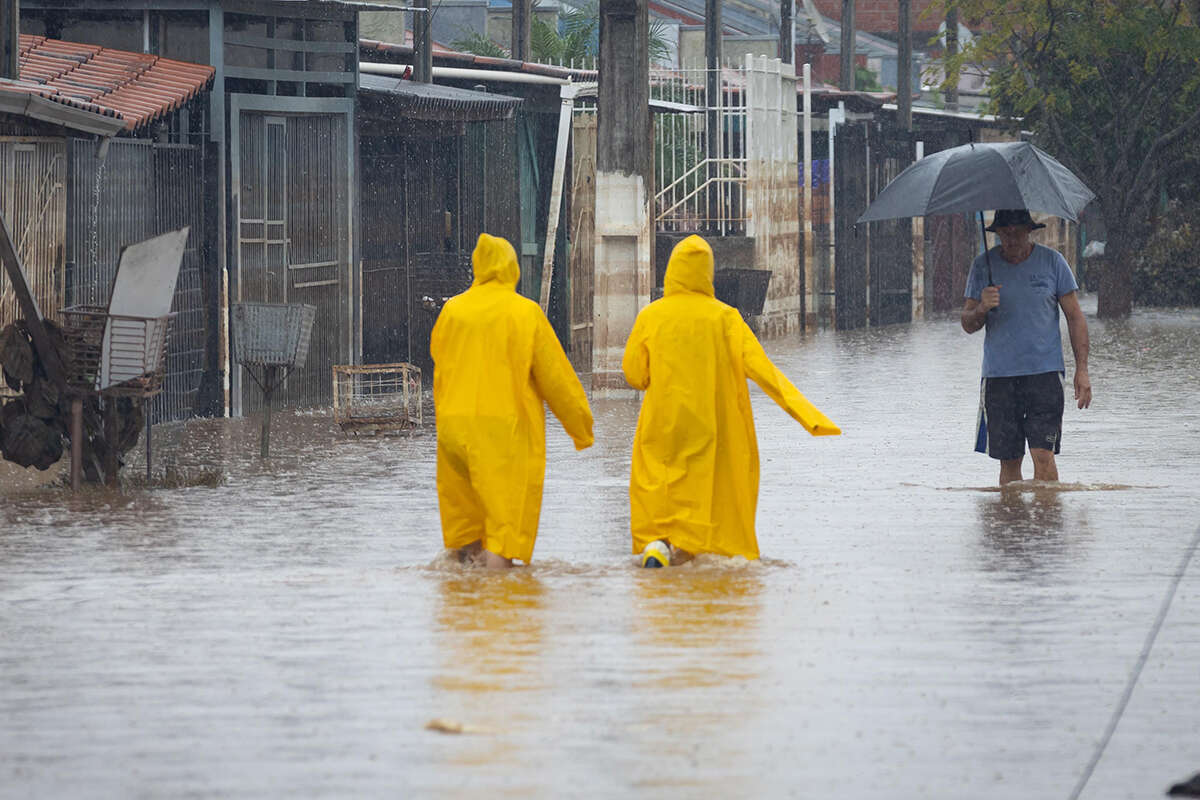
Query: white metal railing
{"points": [[698, 190]]}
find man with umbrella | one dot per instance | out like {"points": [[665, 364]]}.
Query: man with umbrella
{"points": [[1015, 291]]}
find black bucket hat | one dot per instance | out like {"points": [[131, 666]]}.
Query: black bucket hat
{"points": [[1013, 216]]}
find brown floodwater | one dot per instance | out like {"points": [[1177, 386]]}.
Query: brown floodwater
{"points": [[241, 629]]}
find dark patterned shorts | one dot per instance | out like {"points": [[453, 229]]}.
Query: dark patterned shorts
{"points": [[1020, 409]]}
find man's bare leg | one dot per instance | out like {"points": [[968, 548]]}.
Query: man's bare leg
{"points": [[469, 552], [1010, 470], [1044, 468], [493, 561]]}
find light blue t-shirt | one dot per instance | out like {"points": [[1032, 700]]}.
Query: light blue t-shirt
{"points": [[1022, 335]]}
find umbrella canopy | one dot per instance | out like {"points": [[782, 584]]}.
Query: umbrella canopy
{"points": [[981, 176]]}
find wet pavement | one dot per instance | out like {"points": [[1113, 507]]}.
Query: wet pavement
{"points": [[241, 630]]}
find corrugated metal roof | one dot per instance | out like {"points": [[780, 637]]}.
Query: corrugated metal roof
{"points": [[136, 88], [430, 101]]}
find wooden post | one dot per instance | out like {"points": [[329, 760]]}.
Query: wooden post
{"points": [[904, 68], [10, 28], [264, 447], [76, 442], [111, 423], [847, 79], [787, 44], [712, 126], [809, 299], [566, 106], [951, 51], [522, 28], [422, 44], [149, 452]]}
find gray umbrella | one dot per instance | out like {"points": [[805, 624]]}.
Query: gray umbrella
{"points": [[982, 176]]}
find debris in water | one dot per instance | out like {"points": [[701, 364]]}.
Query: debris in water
{"points": [[451, 726]]}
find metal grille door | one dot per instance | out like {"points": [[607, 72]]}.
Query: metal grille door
{"points": [[293, 237]]}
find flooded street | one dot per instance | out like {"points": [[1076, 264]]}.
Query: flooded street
{"points": [[290, 630]]}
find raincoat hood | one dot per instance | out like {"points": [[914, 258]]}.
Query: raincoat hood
{"points": [[690, 268], [495, 259]]}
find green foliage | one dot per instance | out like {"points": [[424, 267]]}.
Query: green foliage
{"points": [[865, 80], [1109, 87], [479, 44], [1168, 269], [573, 42]]}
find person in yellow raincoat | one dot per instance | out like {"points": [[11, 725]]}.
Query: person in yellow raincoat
{"points": [[496, 359], [694, 480]]}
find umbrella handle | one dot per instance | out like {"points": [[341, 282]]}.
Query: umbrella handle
{"points": [[987, 256]]}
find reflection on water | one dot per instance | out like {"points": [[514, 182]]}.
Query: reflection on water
{"points": [[490, 627], [289, 628], [703, 617]]}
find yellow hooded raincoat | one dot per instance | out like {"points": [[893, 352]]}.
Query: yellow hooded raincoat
{"points": [[496, 359], [694, 480]]}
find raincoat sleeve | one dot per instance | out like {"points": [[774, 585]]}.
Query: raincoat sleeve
{"points": [[760, 369], [635, 363], [559, 386]]}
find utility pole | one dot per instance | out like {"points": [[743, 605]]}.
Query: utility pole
{"points": [[712, 126], [951, 52], [422, 44], [522, 28], [904, 68], [787, 40], [847, 81], [10, 24]]}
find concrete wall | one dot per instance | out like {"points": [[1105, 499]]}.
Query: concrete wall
{"points": [[772, 189], [455, 19], [499, 23], [385, 26], [733, 48]]}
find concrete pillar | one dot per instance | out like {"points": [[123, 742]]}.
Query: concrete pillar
{"points": [[624, 234]]}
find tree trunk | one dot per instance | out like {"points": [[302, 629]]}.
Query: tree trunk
{"points": [[1116, 277]]}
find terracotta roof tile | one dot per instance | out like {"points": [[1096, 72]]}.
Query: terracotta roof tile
{"points": [[137, 88]]}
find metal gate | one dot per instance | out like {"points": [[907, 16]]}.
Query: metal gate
{"points": [[850, 257], [890, 241], [425, 200], [125, 191], [292, 234]]}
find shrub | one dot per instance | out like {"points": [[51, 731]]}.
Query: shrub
{"points": [[1167, 273]]}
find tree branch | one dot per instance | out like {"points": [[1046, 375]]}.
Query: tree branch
{"points": [[1165, 141]]}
